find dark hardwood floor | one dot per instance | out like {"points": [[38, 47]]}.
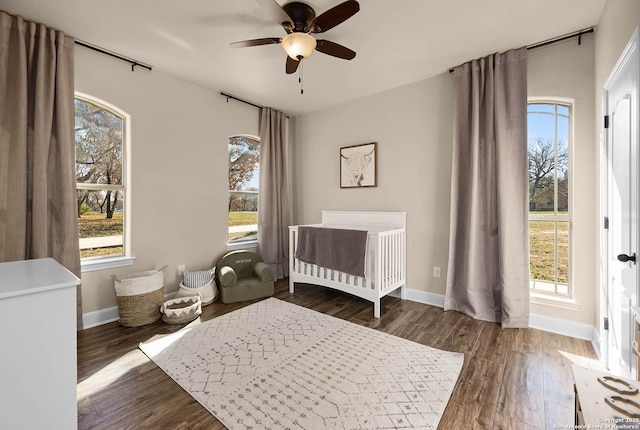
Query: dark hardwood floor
{"points": [[511, 379]]}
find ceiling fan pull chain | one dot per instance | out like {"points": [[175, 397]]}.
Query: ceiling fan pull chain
{"points": [[300, 77]]}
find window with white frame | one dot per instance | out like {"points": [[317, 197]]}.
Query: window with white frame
{"points": [[549, 134], [100, 178], [244, 172]]}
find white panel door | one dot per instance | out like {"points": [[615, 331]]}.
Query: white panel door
{"points": [[621, 108]]}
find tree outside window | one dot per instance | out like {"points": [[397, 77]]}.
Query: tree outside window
{"points": [[244, 167], [99, 135]]}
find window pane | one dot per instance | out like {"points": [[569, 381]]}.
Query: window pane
{"points": [[563, 110], [99, 145], [563, 252], [563, 165], [243, 215], [541, 107], [542, 250], [100, 222], [244, 173], [541, 151]]}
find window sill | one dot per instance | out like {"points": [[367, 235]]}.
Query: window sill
{"points": [[247, 244], [554, 302], [102, 263]]}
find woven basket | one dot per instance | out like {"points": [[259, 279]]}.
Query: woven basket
{"points": [[181, 310], [208, 291], [140, 296]]}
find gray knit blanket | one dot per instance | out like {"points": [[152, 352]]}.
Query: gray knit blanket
{"points": [[333, 248]]}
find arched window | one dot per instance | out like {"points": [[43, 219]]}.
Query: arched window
{"points": [[549, 143], [244, 176], [100, 134]]}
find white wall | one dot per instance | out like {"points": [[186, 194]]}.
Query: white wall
{"points": [[413, 128], [179, 168]]}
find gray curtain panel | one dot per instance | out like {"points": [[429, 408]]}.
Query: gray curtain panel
{"points": [[488, 274], [273, 204], [38, 216]]}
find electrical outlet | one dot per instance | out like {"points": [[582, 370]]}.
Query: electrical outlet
{"points": [[436, 272], [181, 269]]}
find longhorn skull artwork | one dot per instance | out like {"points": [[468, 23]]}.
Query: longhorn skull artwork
{"points": [[358, 166]]}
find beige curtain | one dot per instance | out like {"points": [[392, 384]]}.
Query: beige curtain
{"points": [[488, 274], [38, 216], [273, 205]]}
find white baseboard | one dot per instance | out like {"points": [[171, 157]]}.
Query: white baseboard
{"points": [[425, 297], [541, 322], [102, 316], [562, 326]]}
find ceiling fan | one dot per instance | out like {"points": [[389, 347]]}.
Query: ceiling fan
{"points": [[299, 20]]}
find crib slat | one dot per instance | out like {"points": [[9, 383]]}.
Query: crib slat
{"points": [[396, 253]]}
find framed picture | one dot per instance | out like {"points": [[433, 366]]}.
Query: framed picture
{"points": [[358, 165]]}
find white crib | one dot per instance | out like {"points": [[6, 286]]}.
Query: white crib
{"points": [[385, 262]]}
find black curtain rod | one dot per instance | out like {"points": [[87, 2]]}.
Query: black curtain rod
{"points": [[229, 96], [133, 63], [577, 34]]}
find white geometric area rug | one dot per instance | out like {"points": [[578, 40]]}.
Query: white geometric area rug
{"points": [[275, 365]]}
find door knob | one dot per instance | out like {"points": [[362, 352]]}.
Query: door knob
{"points": [[624, 258]]}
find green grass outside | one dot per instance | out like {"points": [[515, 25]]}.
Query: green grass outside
{"points": [[541, 251], [243, 218], [95, 224], [101, 252]]}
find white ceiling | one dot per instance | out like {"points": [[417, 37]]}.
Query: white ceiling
{"points": [[397, 42]]}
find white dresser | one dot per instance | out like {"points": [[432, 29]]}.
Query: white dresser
{"points": [[38, 361]]}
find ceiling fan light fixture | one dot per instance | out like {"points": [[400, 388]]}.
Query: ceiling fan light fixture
{"points": [[298, 45]]}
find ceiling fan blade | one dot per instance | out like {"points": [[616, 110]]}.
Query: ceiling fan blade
{"points": [[334, 16], [292, 65], [278, 14], [256, 42], [335, 50]]}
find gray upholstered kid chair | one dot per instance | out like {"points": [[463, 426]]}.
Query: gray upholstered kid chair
{"points": [[242, 275]]}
